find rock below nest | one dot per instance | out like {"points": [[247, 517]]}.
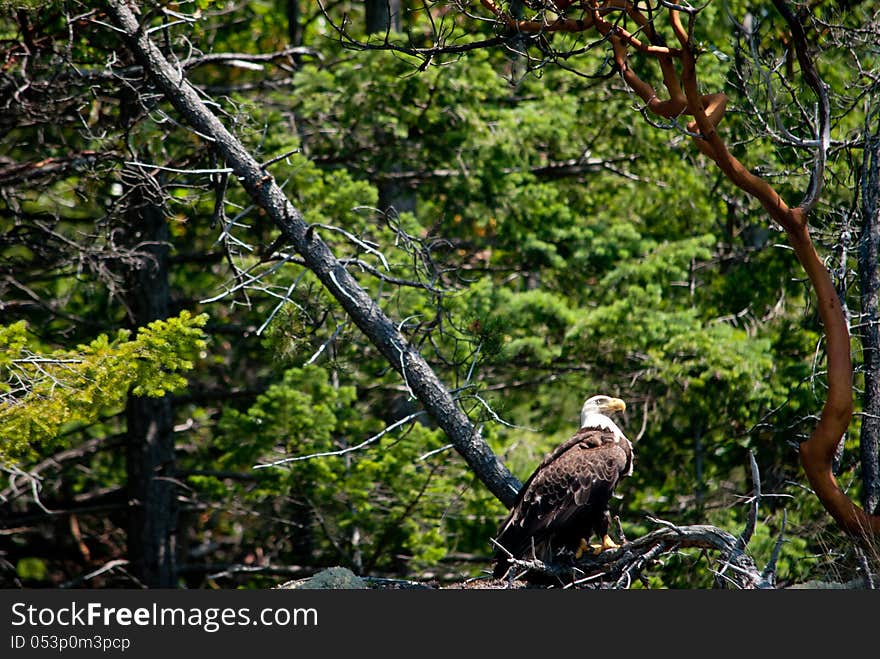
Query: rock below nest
{"points": [[332, 578]]}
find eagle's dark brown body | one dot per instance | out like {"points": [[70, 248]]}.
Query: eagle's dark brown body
{"points": [[566, 498]]}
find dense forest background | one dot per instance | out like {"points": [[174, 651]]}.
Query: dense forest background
{"points": [[184, 404]]}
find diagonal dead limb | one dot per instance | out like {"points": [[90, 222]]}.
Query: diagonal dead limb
{"points": [[359, 306]]}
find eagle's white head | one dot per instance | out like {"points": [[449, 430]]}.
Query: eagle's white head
{"points": [[595, 409]]}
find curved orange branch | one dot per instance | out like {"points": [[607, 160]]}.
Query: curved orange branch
{"points": [[605, 28], [817, 453], [707, 112], [668, 109]]}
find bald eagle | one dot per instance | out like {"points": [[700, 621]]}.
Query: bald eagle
{"points": [[565, 501]]}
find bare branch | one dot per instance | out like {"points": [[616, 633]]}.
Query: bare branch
{"points": [[769, 572], [362, 309], [618, 568], [349, 449], [811, 76], [752, 519]]}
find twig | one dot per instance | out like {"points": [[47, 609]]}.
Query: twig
{"points": [[769, 572], [112, 565], [176, 170], [752, 519], [357, 447]]}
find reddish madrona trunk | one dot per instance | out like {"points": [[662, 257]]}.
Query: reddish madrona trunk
{"points": [[682, 89]]}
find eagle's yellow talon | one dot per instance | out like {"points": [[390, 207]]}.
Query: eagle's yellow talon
{"points": [[607, 543], [581, 548]]}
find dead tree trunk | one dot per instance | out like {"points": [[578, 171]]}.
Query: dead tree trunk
{"points": [[149, 444], [294, 29], [395, 195], [869, 334], [382, 15]]}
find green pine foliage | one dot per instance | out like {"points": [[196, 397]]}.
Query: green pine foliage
{"points": [[45, 395], [371, 500]]}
